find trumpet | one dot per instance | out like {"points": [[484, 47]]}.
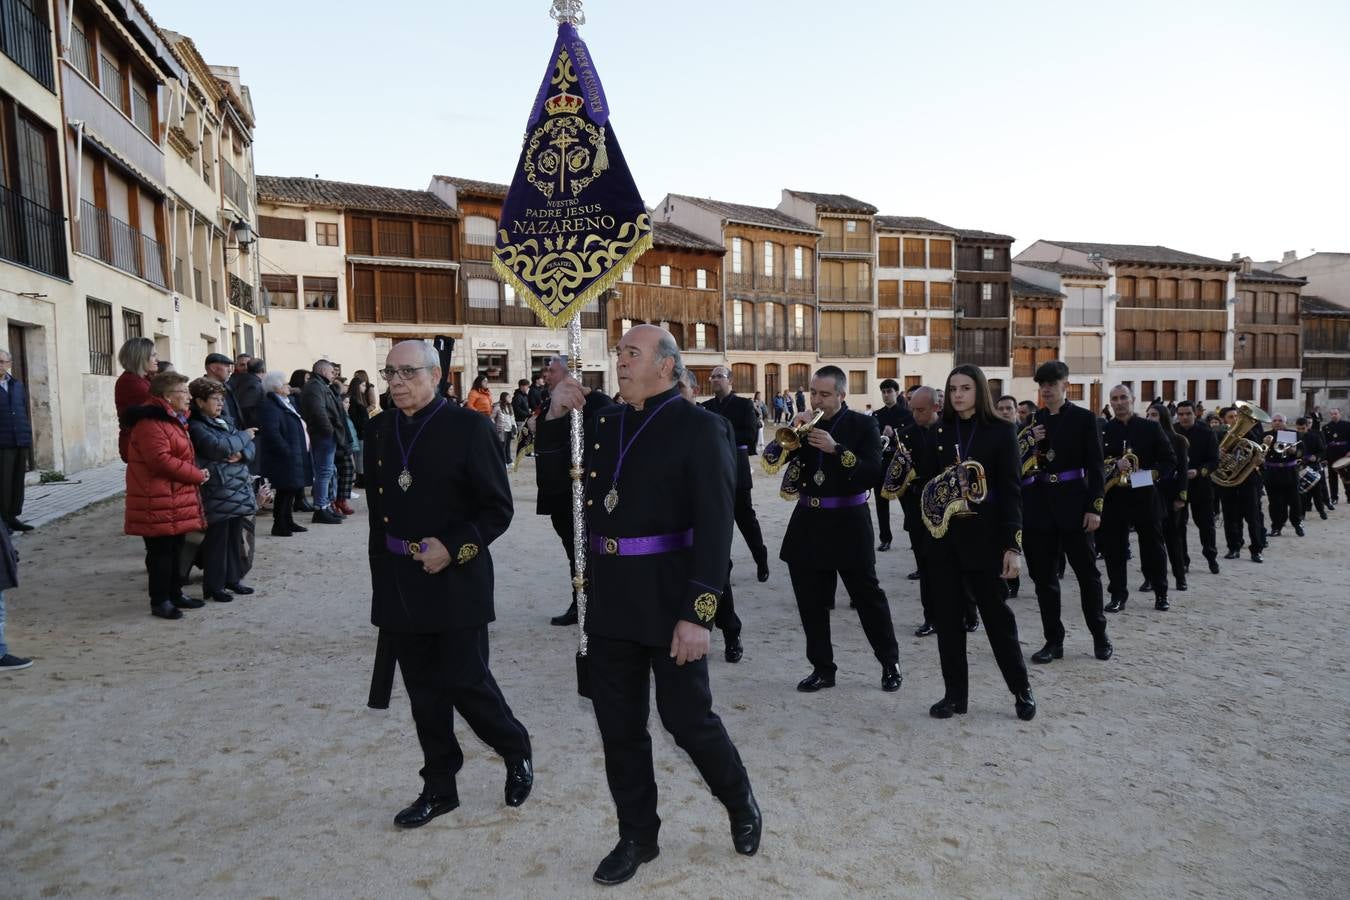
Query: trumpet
{"points": [[786, 439], [1112, 476]]}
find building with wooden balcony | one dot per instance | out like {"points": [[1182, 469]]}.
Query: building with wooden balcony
{"points": [[768, 291], [916, 277], [1036, 337], [983, 306], [349, 269], [1326, 353], [677, 285], [846, 265], [1267, 359], [1081, 323], [1168, 318], [502, 337]]}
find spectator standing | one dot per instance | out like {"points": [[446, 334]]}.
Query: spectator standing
{"points": [[139, 361], [344, 461], [480, 398], [162, 503], [16, 444], [360, 398], [219, 368], [248, 392], [801, 400], [227, 497], [9, 579], [283, 453], [299, 378], [323, 418], [504, 417]]}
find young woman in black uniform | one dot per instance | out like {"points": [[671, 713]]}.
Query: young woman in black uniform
{"points": [[976, 551]]}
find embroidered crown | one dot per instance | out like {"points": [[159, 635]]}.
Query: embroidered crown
{"points": [[563, 104]]}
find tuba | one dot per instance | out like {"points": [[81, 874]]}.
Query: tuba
{"points": [[785, 440], [951, 492], [898, 474], [1026, 448], [1239, 456]]}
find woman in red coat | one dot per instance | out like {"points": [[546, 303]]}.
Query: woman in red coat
{"points": [[163, 503], [139, 362]]}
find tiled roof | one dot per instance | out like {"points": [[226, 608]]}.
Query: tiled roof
{"points": [[345, 195], [1263, 275], [913, 223], [1141, 253], [1321, 306], [971, 234], [665, 234], [752, 215], [477, 188], [1022, 288], [1060, 268], [841, 203]]}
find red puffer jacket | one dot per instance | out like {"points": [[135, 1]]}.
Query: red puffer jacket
{"points": [[162, 478]]}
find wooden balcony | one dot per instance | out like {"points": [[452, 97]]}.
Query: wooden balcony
{"points": [[839, 293], [1171, 319], [1084, 365], [105, 123], [660, 303], [848, 243], [779, 284]]}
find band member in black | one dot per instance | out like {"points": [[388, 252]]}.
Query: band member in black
{"points": [[923, 406], [1061, 507], [1202, 456], [1281, 476], [660, 477], [1009, 410], [829, 536], [1242, 504], [1174, 491], [1314, 456], [1337, 434], [1133, 499], [555, 494], [975, 552], [438, 497], [892, 418], [740, 412]]}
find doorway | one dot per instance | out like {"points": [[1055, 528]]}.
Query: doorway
{"points": [[772, 380], [1265, 394], [18, 353]]}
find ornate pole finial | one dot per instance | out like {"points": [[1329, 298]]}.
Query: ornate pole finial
{"points": [[568, 11]]}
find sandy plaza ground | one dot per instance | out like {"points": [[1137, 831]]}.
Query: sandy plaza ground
{"points": [[231, 754]]}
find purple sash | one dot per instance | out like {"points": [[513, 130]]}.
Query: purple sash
{"points": [[642, 546], [834, 502], [400, 547], [1055, 477]]}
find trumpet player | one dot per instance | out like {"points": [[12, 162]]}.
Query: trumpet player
{"points": [[1062, 507], [1143, 456], [977, 547], [1281, 474], [893, 417], [829, 536]]}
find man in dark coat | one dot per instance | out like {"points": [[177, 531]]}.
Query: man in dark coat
{"points": [[16, 444], [248, 392], [893, 417], [439, 496], [829, 536], [220, 367], [660, 485], [327, 431], [1202, 457], [740, 412]]}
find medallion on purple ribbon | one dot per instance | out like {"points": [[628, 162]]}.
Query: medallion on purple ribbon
{"points": [[573, 219]]}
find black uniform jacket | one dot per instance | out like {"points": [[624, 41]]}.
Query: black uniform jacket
{"points": [[1076, 443], [1337, 435], [679, 474], [979, 541], [740, 412], [459, 495], [898, 418], [1146, 440], [552, 464], [1203, 453], [1277, 470], [1314, 447], [1176, 486], [838, 539], [914, 437]]}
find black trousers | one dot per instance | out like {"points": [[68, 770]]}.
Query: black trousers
{"points": [[221, 547], [161, 565], [726, 618], [1334, 479], [620, 689], [1201, 505], [916, 541], [562, 527], [448, 672], [883, 518], [1174, 539], [952, 585], [1285, 504], [748, 525], [1042, 550], [1320, 495], [283, 511], [1242, 504], [13, 467], [815, 588], [1113, 539]]}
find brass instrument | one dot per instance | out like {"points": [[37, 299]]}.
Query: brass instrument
{"points": [[1112, 476], [1239, 456], [898, 474], [1026, 448], [786, 439], [950, 494]]}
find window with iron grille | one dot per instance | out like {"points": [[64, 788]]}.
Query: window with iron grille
{"points": [[100, 322], [131, 325]]}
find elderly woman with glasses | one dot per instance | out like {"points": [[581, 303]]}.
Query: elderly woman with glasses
{"points": [[283, 452], [228, 496], [162, 478]]}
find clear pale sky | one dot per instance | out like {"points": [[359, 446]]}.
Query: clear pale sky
{"points": [[1212, 127]]}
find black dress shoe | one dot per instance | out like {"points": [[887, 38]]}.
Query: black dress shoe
{"points": [[240, 588], [747, 824], [1103, 649], [972, 627], [946, 708], [1256, 556], [1323, 514], [165, 610], [1232, 554], [1298, 529], [924, 630], [304, 506], [1146, 587], [734, 650], [891, 678], [326, 517], [567, 618], [298, 529], [913, 576], [1161, 604], [425, 808], [519, 780], [281, 532], [1274, 532], [762, 565], [815, 681], [1181, 584], [1115, 606], [1214, 566], [623, 861], [220, 596], [185, 602], [16, 525], [1048, 652], [884, 546], [1026, 705]]}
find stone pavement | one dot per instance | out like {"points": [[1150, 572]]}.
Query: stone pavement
{"points": [[45, 503]]}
